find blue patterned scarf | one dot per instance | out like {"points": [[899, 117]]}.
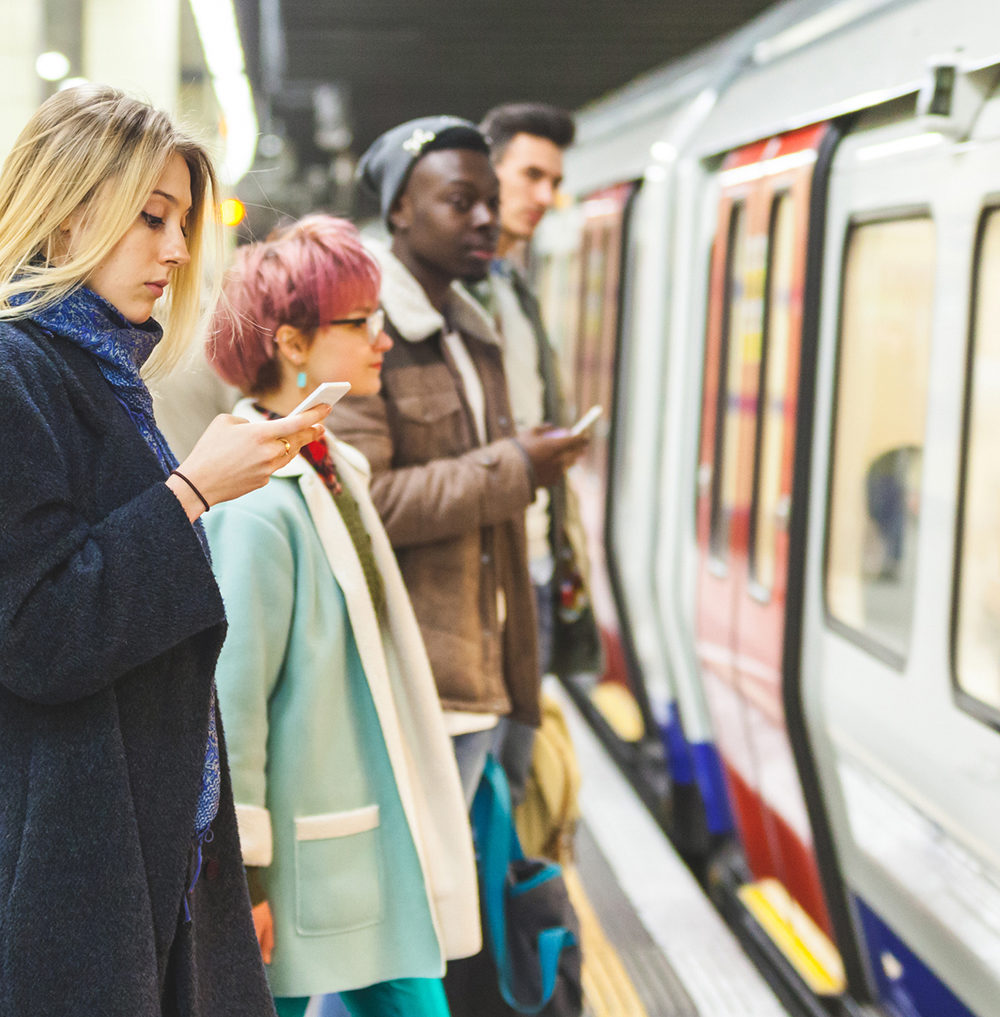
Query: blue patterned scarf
{"points": [[120, 349]]}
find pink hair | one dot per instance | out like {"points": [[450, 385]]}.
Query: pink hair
{"points": [[309, 273]]}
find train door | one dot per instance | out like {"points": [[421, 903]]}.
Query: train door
{"points": [[749, 424], [901, 638], [593, 372], [599, 273]]}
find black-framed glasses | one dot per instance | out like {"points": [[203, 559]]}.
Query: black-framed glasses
{"points": [[374, 322]]}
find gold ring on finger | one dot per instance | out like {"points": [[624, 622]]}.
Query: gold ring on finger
{"points": [[287, 444]]}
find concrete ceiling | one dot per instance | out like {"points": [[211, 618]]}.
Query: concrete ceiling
{"points": [[331, 75]]}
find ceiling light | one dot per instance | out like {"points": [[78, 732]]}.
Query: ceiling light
{"points": [[52, 66], [220, 42], [270, 146], [663, 151], [232, 212]]}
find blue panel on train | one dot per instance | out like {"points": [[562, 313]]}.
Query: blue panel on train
{"points": [[906, 984], [697, 763], [676, 746], [708, 773]]}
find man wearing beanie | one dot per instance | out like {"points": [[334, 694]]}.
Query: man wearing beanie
{"points": [[450, 477]]}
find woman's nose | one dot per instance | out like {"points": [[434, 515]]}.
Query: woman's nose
{"points": [[176, 250]]}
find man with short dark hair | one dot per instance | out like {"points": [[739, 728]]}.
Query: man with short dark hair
{"points": [[451, 476], [527, 142]]}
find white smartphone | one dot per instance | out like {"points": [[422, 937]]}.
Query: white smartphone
{"points": [[587, 420], [329, 392]]}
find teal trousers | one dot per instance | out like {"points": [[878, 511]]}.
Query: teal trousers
{"points": [[291, 1006], [401, 997]]}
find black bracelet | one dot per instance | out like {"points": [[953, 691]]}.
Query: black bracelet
{"points": [[201, 497]]}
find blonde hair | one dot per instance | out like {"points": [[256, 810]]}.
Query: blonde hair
{"points": [[95, 149]]}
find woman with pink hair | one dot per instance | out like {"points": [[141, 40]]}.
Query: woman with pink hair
{"points": [[351, 816]]}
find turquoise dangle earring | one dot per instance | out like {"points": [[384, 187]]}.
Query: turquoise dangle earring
{"points": [[301, 380]]}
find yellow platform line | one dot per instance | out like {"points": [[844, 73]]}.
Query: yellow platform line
{"points": [[607, 988]]}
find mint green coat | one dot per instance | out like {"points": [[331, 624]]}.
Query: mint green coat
{"points": [[344, 778]]}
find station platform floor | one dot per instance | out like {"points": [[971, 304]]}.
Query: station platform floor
{"points": [[653, 944]]}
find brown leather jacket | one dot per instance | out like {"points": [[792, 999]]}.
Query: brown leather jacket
{"points": [[453, 509]]}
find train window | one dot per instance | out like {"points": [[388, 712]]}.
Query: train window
{"points": [[727, 411], [553, 294], [977, 614], [588, 365], [559, 295], [769, 510], [882, 383]]}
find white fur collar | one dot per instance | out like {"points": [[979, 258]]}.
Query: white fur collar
{"points": [[408, 308]]}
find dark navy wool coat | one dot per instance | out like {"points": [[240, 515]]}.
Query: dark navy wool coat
{"points": [[110, 624]]}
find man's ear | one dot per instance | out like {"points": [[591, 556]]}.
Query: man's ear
{"points": [[401, 214]]}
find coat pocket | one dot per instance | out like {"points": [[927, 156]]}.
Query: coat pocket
{"points": [[338, 871], [433, 424]]}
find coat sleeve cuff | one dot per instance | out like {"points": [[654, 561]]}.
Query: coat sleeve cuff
{"points": [[527, 463], [255, 834]]}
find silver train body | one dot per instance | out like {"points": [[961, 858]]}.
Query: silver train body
{"points": [[779, 270]]}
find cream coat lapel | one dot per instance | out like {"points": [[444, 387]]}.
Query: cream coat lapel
{"points": [[435, 800]]}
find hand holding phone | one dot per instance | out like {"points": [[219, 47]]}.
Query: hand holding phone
{"points": [[329, 392], [586, 421], [552, 449]]}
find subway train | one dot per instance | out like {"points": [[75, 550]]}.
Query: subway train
{"points": [[777, 268]]}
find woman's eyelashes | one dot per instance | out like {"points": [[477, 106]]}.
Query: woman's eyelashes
{"points": [[156, 222]]}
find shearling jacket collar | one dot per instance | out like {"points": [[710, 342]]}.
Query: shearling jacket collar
{"points": [[413, 315]]}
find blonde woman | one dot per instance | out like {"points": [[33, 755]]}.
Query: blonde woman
{"points": [[121, 888], [351, 813]]}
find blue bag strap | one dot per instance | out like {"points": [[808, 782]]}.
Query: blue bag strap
{"points": [[498, 843], [550, 946]]}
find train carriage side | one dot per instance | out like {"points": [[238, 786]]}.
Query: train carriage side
{"points": [[858, 719], [872, 762], [901, 637], [844, 623]]}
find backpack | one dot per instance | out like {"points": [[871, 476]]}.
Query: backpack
{"points": [[531, 961], [547, 817]]}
